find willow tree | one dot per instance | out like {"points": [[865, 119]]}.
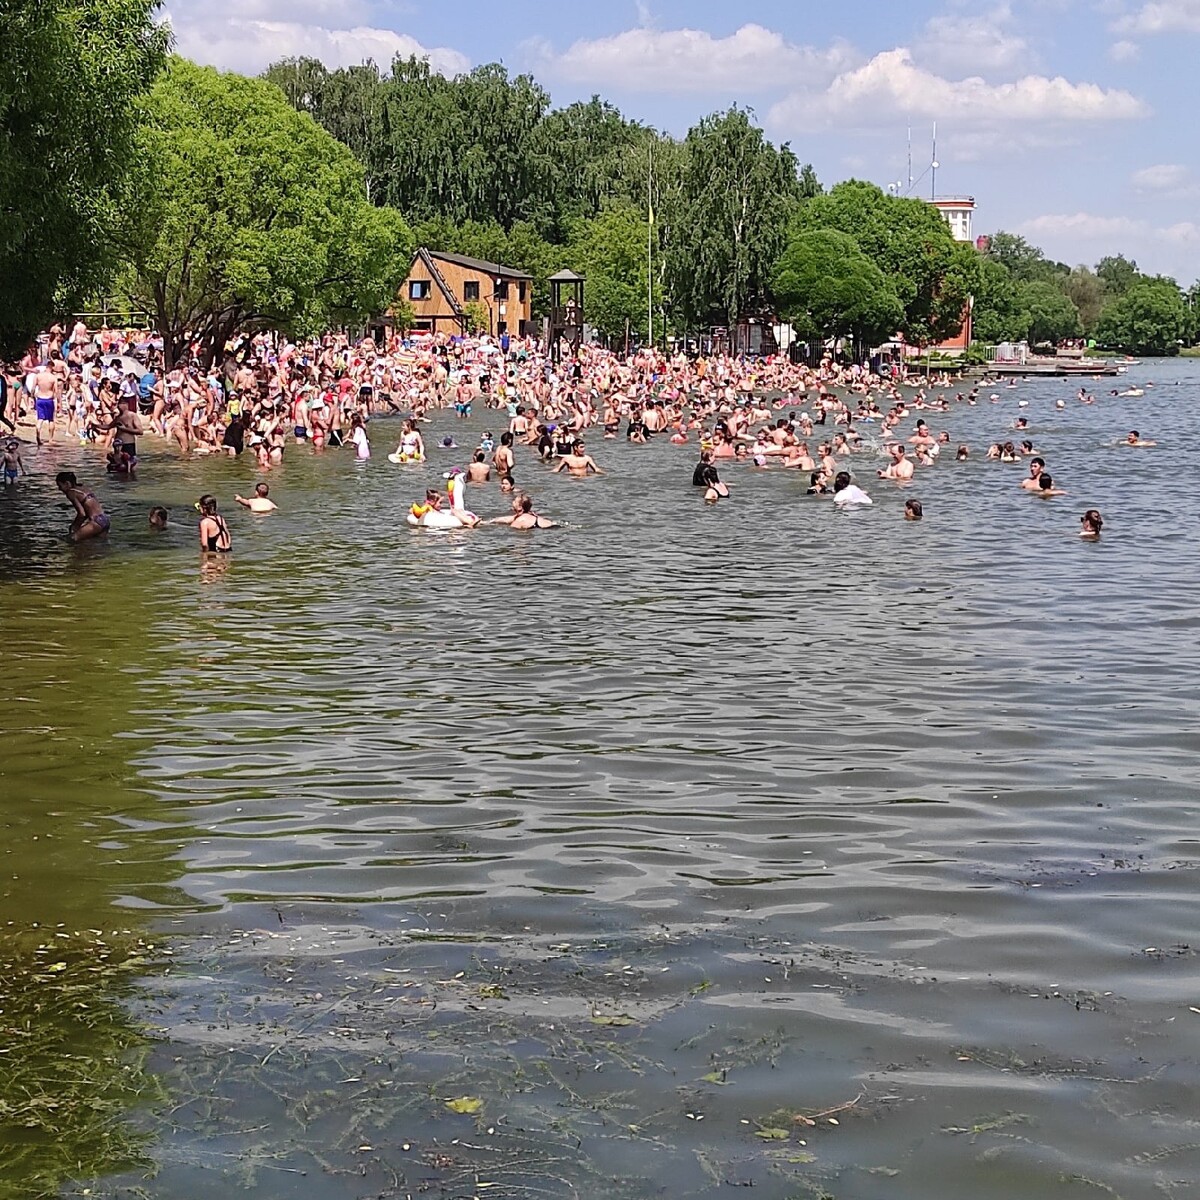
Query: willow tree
{"points": [[736, 195], [250, 215], [71, 75]]}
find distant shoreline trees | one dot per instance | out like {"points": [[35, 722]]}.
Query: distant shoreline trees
{"points": [[297, 198]]}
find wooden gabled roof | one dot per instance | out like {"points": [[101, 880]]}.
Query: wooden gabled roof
{"points": [[478, 264]]}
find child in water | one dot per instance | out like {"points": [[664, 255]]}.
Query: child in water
{"points": [[1091, 523], [13, 466]]}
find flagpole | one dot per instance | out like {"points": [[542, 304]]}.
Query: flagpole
{"points": [[650, 248]]}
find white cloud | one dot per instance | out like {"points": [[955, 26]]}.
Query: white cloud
{"points": [[645, 59], [1115, 233], [1086, 237], [250, 35], [891, 84], [985, 42], [1174, 16], [1124, 51], [1168, 178], [1084, 226]]}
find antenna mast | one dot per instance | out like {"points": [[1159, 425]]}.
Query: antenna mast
{"points": [[933, 166]]}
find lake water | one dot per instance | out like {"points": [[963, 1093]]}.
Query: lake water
{"points": [[658, 836]]}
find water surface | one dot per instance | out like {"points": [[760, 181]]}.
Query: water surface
{"points": [[660, 835]]}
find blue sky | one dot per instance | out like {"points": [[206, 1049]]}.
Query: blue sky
{"points": [[1070, 121]]}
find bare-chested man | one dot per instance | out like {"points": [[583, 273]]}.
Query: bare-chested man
{"points": [[577, 462], [900, 468], [46, 391]]}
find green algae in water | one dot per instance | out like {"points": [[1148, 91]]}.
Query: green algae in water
{"points": [[72, 1058]]}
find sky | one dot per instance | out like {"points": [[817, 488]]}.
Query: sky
{"points": [[1069, 121]]}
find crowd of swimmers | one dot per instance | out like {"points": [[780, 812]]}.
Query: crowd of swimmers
{"points": [[267, 395]]}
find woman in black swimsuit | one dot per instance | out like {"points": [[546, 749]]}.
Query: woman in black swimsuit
{"points": [[214, 533]]}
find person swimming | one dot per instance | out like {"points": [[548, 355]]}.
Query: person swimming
{"points": [[260, 502], [914, 510], [1091, 523], [526, 518]]}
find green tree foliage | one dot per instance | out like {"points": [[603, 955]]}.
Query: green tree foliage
{"points": [[71, 76], [588, 147], [251, 215], [828, 288], [998, 316], [471, 148], [1118, 273], [909, 242], [1052, 316], [610, 250], [478, 316], [736, 195], [1024, 262], [1192, 300], [1150, 318], [1088, 292]]}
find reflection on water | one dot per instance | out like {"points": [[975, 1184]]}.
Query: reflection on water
{"points": [[750, 845]]}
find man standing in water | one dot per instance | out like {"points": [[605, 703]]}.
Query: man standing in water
{"points": [[125, 427], [46, 391], [1036, 467], [577, 462], [900, 468], [260, 502]]}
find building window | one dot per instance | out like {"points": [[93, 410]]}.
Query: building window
{"points": [[502, 290], [471, 289], [521, 290], [418, 289]]}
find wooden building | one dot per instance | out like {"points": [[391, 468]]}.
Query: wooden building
{"points": [[439, 287]]}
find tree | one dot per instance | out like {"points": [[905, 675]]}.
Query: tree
{"points": [[610, 250], [478, 316], [1023, 261], [997, 315], [1118, 273], [585, 145], [250, 215], [736, 196], [72, 73], [908, 241], [1052, 316], [1089, 293], [828, 288], [1150, 318], [1192, 300]]}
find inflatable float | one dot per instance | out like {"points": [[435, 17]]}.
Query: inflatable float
{"points": [[429, 516]]}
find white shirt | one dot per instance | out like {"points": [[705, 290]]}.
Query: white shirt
{"points": [[851, 494]]}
